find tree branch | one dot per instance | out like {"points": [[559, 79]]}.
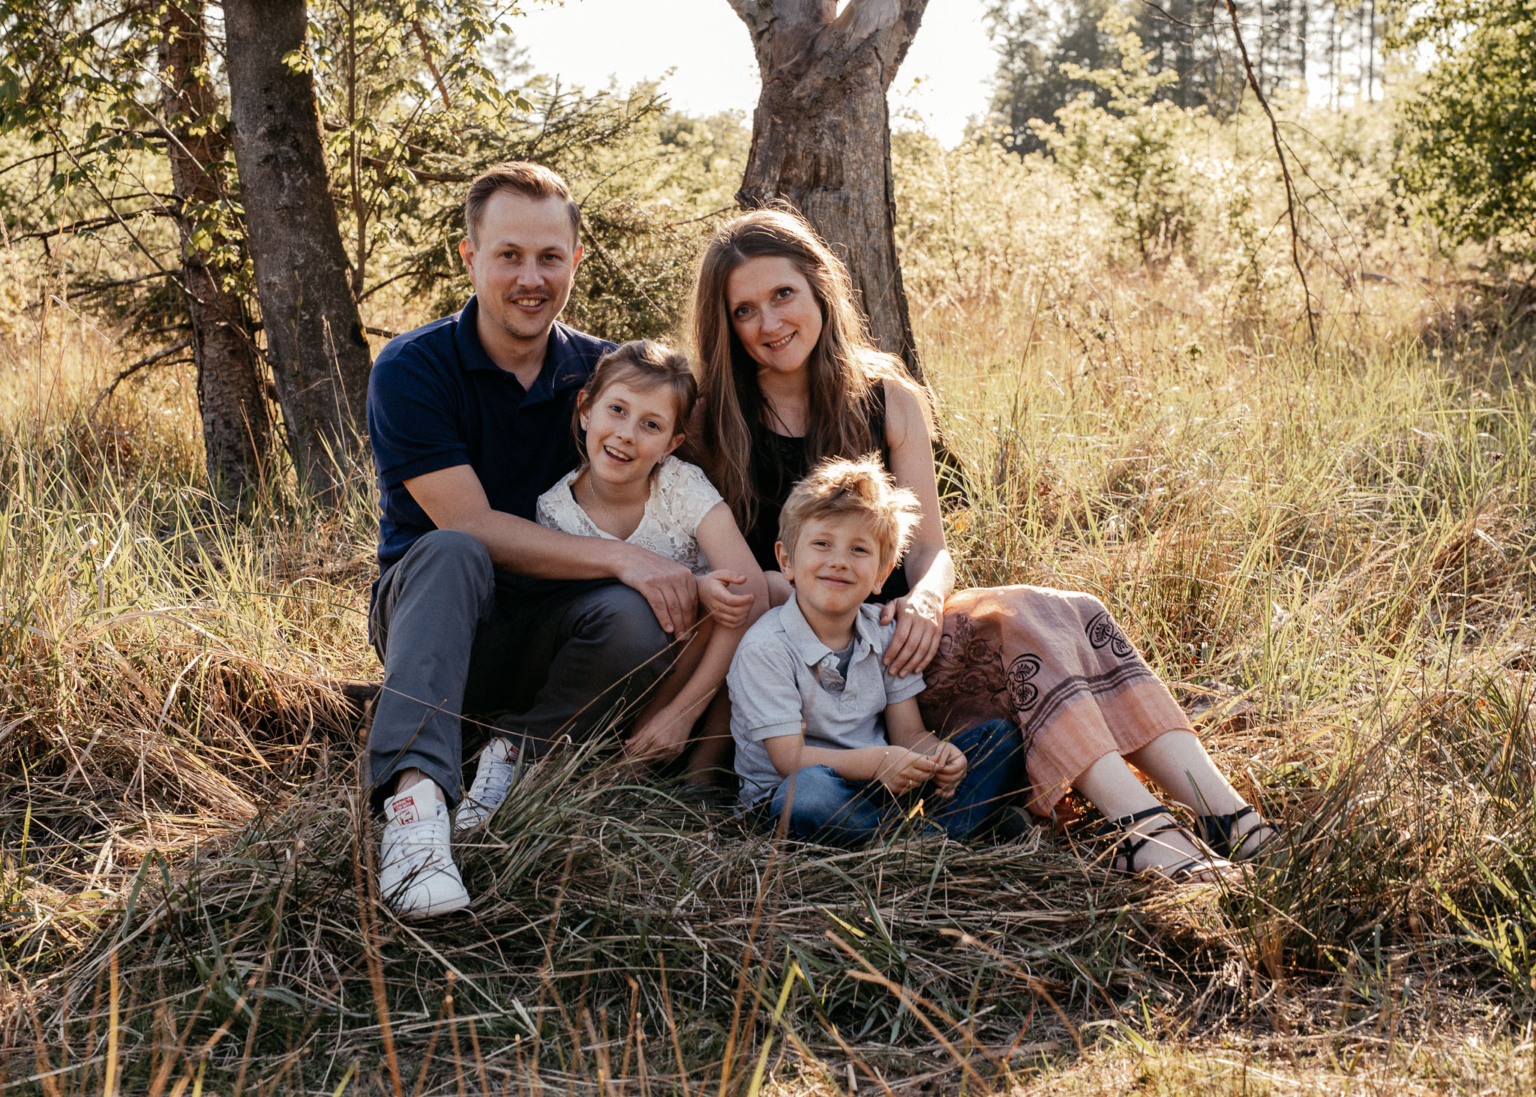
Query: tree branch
{"points": [[88, 223], [749, 12], [101, 287], [143, 363], [426, 54], [1285, 173]]}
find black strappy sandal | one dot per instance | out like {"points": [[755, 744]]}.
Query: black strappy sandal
{"points": [[1131, 845], [1221, 834]]}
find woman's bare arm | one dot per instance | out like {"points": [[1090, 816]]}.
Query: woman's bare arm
{"points": [[919, 616]]}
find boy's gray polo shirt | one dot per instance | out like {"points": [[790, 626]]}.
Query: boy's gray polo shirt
{"points": [[784, 680]]}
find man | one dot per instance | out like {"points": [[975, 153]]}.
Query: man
{"points": [[477, 606]]}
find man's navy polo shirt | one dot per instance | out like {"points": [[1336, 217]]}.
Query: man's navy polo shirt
{"points": [[436, 400]]}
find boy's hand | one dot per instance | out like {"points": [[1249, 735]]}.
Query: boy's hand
{"points": [[905, 769], [728, 610], [950, 765], [658, 739]]}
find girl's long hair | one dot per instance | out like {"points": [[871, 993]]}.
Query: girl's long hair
{"points": [[844, 367]]}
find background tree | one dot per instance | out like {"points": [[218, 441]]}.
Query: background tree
{"points": [[229, 377], [410, 98], [1043, 49], [315, 340], [103, 90], [821, 136], [1034, 40]]}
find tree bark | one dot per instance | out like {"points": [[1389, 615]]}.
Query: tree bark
{"points": [[821, 137], [229, 391], [315, 342]]}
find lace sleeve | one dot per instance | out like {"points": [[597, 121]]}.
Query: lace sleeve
{"points": [[689, 494]]}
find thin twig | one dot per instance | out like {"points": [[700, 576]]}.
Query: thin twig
{"points": [[143, 363], [86, 224], [1285, 173]]}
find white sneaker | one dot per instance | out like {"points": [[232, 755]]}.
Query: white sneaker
{"points": [[500, 764], [417, 876]]}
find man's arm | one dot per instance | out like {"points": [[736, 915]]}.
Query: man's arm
{"points": [[454, 499]]}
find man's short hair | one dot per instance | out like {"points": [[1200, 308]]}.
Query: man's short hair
{"points": [[863, 488], [520, 177]]}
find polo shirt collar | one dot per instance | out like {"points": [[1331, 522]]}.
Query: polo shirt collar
{"points": [[808, 645], [563, 367]]}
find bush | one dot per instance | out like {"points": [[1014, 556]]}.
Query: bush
{"points": [[1470, 151]]}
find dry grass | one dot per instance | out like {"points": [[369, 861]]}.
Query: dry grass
{"points": [[1331, 557]]}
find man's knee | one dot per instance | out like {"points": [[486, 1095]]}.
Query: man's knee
{"points": [[445, 579], [620, 620], [445, 551]]}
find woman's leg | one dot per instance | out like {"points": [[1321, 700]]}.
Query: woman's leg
{"points": [[1178, 762], [1112, 788]]}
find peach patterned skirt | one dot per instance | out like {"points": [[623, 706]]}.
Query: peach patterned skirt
{"points": [[1055, 663]]}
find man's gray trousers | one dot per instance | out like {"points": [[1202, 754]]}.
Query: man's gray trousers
{"points": [[454, 634]]}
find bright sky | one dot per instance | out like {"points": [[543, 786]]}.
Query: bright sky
{"points": [[944, 77]]}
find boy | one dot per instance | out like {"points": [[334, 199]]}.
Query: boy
{"points": [[823, 731]]}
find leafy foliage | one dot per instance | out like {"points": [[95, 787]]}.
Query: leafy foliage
{"points": [[415, 96], [1471, 139], [1128, 181], [1128, 146]]}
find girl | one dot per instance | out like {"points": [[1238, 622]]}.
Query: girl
{"points": [[789, 377], [629, 418]]}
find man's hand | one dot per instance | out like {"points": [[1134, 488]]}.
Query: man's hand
{"points": [[667, 585], [660, 738], [905, 769], [919, 618], [728, 610], [950, 766]]}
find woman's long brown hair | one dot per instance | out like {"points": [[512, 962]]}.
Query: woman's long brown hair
{"points": [[844, 367]]}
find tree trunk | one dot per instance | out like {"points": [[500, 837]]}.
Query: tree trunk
{"points": [[821, 137], [229, 397], [315, 341]]}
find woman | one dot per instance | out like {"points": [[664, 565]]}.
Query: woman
{"points": [[788, 377]]}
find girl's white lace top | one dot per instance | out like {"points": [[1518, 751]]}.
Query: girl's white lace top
{"points": [[681, 495]]}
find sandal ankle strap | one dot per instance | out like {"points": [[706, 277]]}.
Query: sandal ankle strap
{"points": [[1219, 831], [1120, 822]]}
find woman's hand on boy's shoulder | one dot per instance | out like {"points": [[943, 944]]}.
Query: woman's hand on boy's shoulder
{"points": [[919, 619]]}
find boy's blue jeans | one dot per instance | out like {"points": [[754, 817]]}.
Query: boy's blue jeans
{"points": [[835, 811]]}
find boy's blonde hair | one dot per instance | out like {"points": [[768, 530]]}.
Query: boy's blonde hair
{"points": [[839, 487]]}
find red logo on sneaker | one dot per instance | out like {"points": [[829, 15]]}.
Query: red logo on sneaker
{"points": [[403, 808]]}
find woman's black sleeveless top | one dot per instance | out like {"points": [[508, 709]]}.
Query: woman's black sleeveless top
{"points": [[778, 463]]}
